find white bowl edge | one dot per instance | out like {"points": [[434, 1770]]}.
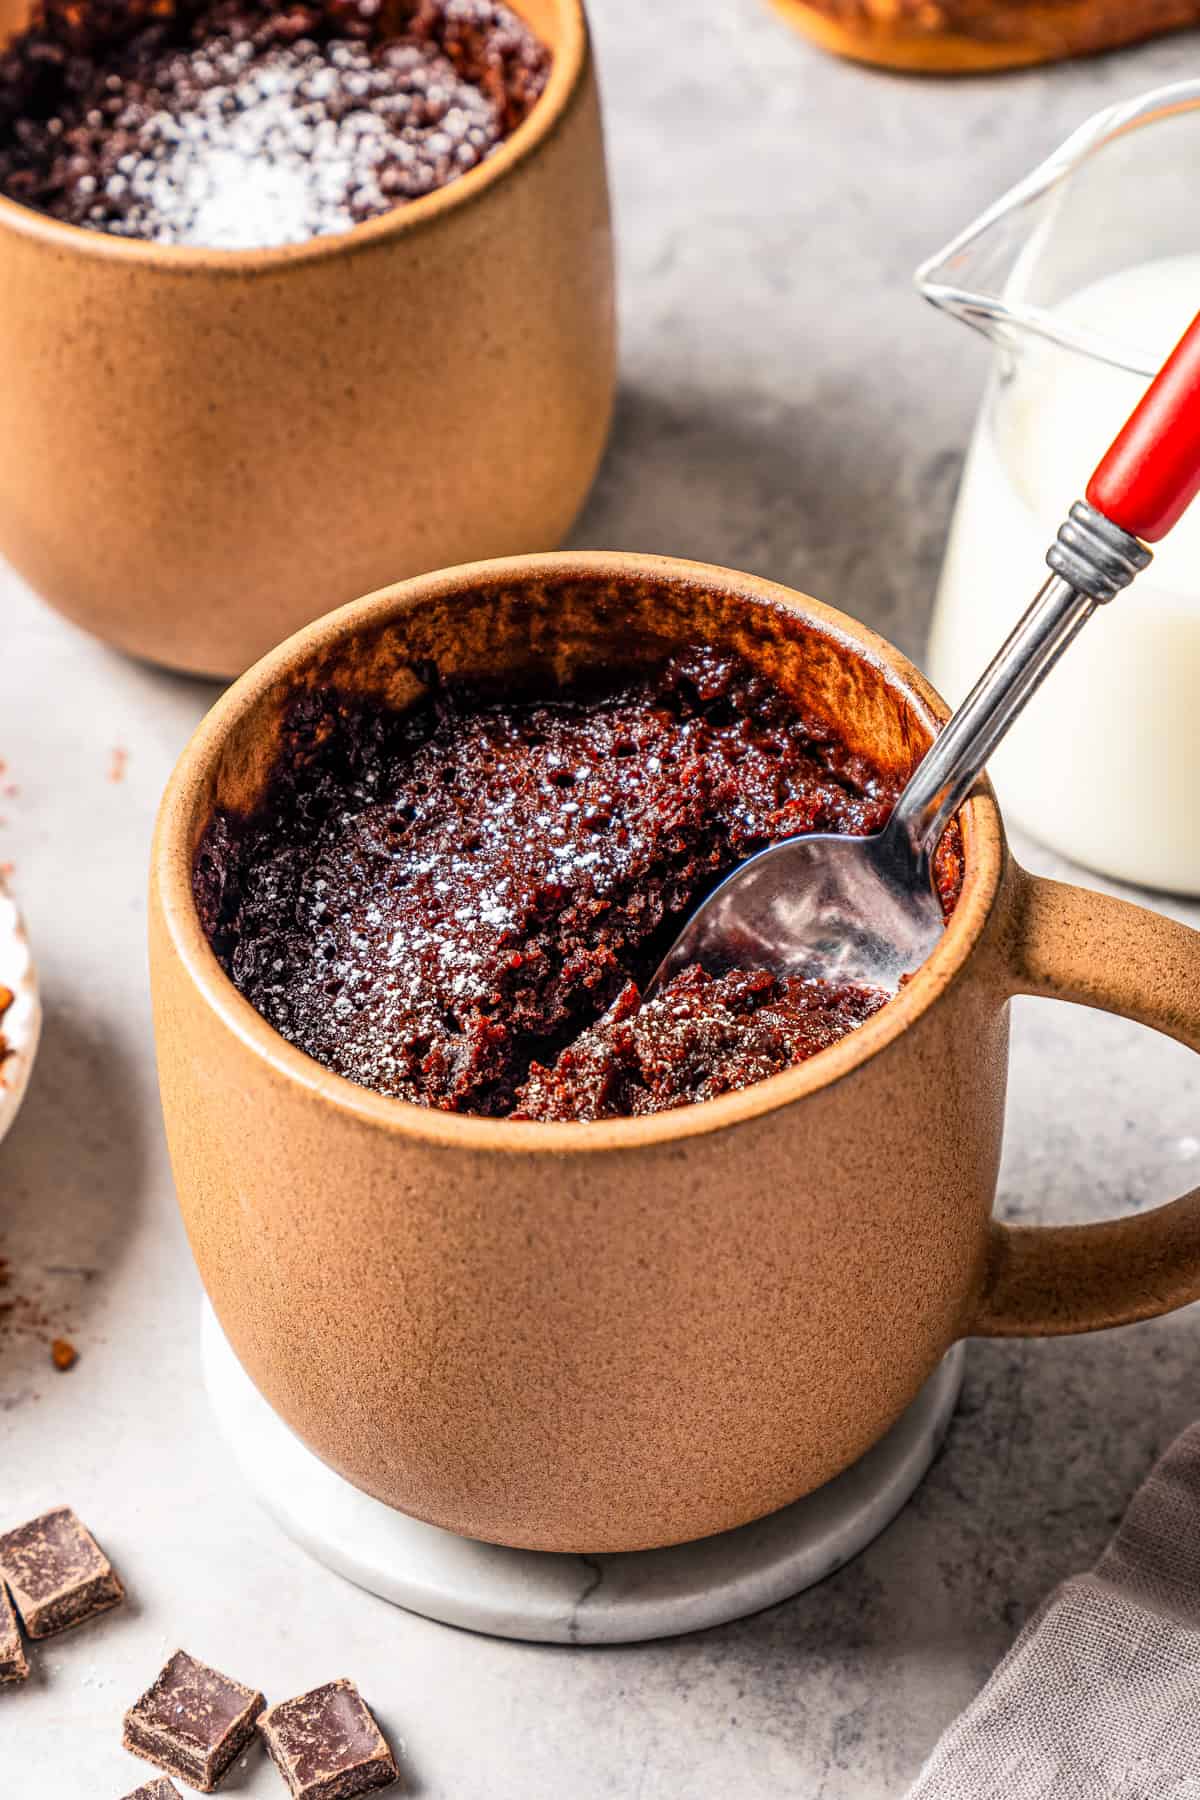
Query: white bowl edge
{"points": [[20, 1025]]}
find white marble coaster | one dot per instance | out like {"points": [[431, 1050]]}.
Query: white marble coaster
{"points": [[559, 1599]]}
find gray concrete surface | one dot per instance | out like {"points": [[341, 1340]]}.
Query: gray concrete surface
{"points": [[787, 406]]}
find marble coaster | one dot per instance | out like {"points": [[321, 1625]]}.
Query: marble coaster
{"points": [[558, 1599]]}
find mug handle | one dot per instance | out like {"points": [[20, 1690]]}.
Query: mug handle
{"points": [[1070, 943]]}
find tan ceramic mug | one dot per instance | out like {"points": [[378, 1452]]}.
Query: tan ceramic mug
{"points": [[201, 450], [610, 1336]]}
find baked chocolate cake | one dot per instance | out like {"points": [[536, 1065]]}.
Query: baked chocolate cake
{"points": [[444, 904]]}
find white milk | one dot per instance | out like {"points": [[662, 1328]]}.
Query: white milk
{"points": [[1104, 765]]}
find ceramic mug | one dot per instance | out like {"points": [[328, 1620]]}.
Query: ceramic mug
{"points": [[608, 1336], [434, 385]]}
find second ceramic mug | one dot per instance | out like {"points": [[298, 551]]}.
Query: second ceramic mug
{"points": [[431, 386], [616, 1335]]}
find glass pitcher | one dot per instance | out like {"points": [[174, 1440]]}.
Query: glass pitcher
{"points": [[1083, 276]]}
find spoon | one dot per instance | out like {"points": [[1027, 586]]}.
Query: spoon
{"points": [[864, 910]]}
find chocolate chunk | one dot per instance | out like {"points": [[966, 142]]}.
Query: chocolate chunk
{"points": [[327, 1746], [192, 1722], [155, 1790], [13, 1666], [57, 1572]]}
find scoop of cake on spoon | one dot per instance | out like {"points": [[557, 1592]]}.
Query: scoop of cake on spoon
{"points": [[864, 909]]}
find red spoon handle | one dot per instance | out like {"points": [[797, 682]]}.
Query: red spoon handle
{"points": [[1151, 474]]}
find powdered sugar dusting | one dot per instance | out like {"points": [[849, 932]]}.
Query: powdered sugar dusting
{"points": [[298, 143]]}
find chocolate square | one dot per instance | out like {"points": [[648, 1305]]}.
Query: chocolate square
{"points": [[13, 1666], [327, 1746], [193, 1721], [57, 1573], [155, 1790]]}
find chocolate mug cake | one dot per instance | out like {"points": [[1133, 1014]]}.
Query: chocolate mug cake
{"points": [[241, 124], [460, 904]]}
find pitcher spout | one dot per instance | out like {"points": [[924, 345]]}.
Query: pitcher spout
{"points": [[1079, 214]]}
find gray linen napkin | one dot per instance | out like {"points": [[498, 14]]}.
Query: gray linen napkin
{"points": [[1099, 1698]]}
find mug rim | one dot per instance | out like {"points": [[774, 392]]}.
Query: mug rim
{"points": [[985, 856], [569, 64]]}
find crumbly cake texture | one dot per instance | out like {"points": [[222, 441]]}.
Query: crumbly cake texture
{"points": [[432, 902], [327, 1745], [192, 1721], [966, 36], [14, 1665], [156, 1790], [701, 1037], [57, 1574], [239, 124]]}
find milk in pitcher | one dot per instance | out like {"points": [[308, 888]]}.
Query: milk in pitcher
{"points": [[1104, 766]]}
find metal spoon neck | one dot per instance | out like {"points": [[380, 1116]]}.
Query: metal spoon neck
{"points": [[1092, 561]]}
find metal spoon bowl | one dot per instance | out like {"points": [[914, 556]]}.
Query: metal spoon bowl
{"points": [[864, 910], [827, 908]]}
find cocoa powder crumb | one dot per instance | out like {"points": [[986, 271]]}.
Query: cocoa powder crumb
{"points": [[26, 1312]]}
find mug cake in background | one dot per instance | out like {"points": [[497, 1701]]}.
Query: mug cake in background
{"points": [[208, 436], [237, 124]]}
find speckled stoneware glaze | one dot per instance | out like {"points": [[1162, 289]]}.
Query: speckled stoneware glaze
{"points": [[612, 1336], [202, 450]]}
